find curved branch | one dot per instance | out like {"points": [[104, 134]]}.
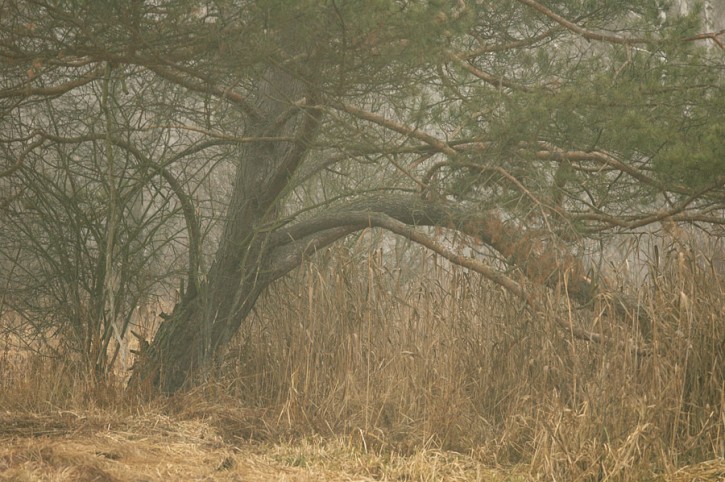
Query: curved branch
{"points": [[543, 262], [360, 220], [588, 34], [291, 255], [187, 207], [407, 231], [397, 227], [543, 259], [287, 257]]}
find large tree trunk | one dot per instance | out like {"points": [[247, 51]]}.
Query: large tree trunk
{"points": [[210, 312]]}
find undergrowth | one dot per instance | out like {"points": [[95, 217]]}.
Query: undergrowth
{"points": [[403, 354]]}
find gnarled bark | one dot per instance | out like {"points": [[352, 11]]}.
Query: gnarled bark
{"points": [[211, 311]]}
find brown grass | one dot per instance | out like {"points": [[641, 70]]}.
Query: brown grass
{"points": [[364, 367], [164, 444]]}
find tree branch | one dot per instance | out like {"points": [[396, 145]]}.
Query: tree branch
{"points": [[215, 90], [497, 82], [187, 206], [21, 159], [542, 260], [54, 90], [294, 157], [291, 255], [383, 121], [588, 34], [287, 257]]}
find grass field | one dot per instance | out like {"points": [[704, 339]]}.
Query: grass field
{"points": [[369, 370], [104, 446]]}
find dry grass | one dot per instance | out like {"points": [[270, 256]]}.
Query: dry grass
{"points": [[364, 367], [106, 446]]}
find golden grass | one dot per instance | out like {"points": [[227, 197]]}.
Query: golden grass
{"points": [[365, 367], [107, 446]]}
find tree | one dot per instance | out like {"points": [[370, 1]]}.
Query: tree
{"points": [[526, 127]]}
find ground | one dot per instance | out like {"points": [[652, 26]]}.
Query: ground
{"points": [[93, 446]]}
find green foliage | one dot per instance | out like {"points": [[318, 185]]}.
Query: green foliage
{"points": [[695, 157]]}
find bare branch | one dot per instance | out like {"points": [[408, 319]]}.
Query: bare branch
{"points": [[21, 159], [28, 90], [217, 91]]}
